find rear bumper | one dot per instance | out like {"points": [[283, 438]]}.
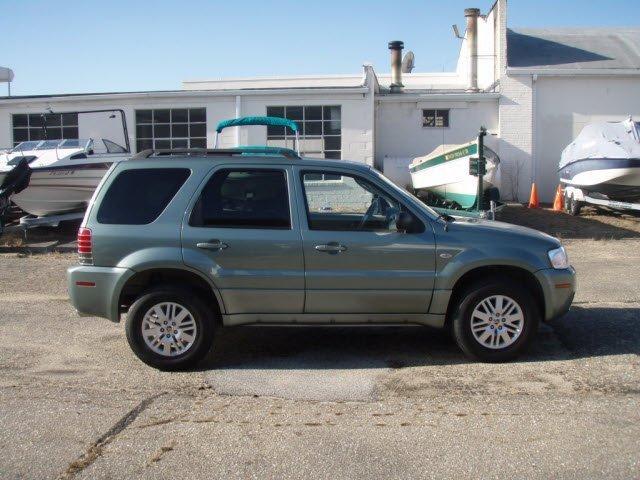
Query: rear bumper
{"points": [[95, 291], [559, 288]]}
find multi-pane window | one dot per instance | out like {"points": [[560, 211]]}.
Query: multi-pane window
{"points": [[435, 118], [166, 128], [32, 126], [319, 127]]}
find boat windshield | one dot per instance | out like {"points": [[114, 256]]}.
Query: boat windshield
{"points": [[73, 143], [113, 147], [48, 144], [29, 145]]}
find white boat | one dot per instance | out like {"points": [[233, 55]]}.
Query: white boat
{"points": [[62, 174], [50, 177], [445, 174], [604, 159]]}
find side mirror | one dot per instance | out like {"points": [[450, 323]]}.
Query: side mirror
{"points": [[405, 222]]}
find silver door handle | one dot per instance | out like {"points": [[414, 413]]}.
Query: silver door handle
{"points": [[331, 247], [212, 245]]}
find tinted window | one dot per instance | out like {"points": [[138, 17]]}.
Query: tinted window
{"points": [[137, 197], [244, 199]]}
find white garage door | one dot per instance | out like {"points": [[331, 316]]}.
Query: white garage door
{"points": [[566, 104]]}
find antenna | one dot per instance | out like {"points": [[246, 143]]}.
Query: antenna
{"points": [[408, 62], [456, 32]]}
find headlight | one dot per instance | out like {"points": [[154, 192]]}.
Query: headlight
{"points": [[558, 258]]}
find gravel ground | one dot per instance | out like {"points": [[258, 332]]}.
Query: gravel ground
{"points": [[323, 403]]}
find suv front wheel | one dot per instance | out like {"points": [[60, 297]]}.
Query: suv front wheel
{"points": [[169, 328], [495, 322]]}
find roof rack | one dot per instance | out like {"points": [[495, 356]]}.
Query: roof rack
{"points": [[240, 151]]}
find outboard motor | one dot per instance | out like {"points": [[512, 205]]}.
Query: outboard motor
{"points": [[16, 180]]}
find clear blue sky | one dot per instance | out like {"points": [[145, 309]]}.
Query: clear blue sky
{"points": [[89, 46]]}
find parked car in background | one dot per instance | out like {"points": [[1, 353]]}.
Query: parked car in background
{"points": [[188, 243]]}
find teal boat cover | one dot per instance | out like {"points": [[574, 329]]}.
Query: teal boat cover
{"points": [[246, 121]]}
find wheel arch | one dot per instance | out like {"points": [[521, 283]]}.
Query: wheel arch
{"points": [[516, 274], [148, 278]]}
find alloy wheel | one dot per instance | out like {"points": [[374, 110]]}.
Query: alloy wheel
{"points": [[169, 329], [497, 322]]}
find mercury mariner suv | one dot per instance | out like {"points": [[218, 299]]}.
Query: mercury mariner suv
{"points": [[187, 242]]}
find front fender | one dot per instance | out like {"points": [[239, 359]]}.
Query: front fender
{"points": [[449, 271]]}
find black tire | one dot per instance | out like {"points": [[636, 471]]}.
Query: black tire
{"points": [[203, 317], [462, 320], [567, 202], [574, 206]]}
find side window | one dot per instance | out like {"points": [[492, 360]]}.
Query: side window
{"points": [[353, 204], [244, 198], [138, 197]]}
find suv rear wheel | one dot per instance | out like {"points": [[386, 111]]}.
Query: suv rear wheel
{"points": [[169, 328], [495, 322]]}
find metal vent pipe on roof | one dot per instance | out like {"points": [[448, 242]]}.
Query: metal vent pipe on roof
{"points": [[396, 47], [472, 15]]}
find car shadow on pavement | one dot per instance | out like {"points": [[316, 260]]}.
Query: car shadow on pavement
{"points": [[584, 332], [587, 332]]}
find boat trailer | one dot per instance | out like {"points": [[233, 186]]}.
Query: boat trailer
{"points": [[575, 198], [17, 180]]}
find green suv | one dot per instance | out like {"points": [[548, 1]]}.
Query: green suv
{"points": [[189, 242]]}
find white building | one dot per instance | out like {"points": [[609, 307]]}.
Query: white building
{"points": [[532, 89]]}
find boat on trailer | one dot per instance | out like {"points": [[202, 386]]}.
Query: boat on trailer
{"points": [[444, 176], [56, 177], [604, 161]]}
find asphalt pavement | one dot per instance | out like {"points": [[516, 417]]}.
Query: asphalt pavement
{"points": [[322, 403]]}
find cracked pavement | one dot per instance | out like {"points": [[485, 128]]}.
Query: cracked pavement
{"points": [[322, 403]]}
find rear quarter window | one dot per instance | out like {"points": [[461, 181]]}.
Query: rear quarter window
{"points": [[138, 197]]}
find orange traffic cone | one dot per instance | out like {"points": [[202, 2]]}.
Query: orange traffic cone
{"points": [[533, 199], [558, 202]]}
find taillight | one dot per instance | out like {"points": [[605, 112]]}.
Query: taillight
{"points": [[85, 247]]}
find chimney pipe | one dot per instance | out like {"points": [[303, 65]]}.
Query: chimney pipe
{"points": [[396, 65], [472, 15]]}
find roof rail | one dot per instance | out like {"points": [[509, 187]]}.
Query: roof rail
{"points": [[246, 151]]}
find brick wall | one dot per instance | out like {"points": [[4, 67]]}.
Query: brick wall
{"points": [[516, 132]]}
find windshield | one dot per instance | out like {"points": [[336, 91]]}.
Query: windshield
{"points": [[73, 143], [113, 147], [48, 145], [406, 195], [30, 145]]}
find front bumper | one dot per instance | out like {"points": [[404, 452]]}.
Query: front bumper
{"points": [[559, 288], [95, 291]]}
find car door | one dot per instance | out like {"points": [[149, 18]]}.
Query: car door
{"points": [[356, 261], [242, 231]]}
